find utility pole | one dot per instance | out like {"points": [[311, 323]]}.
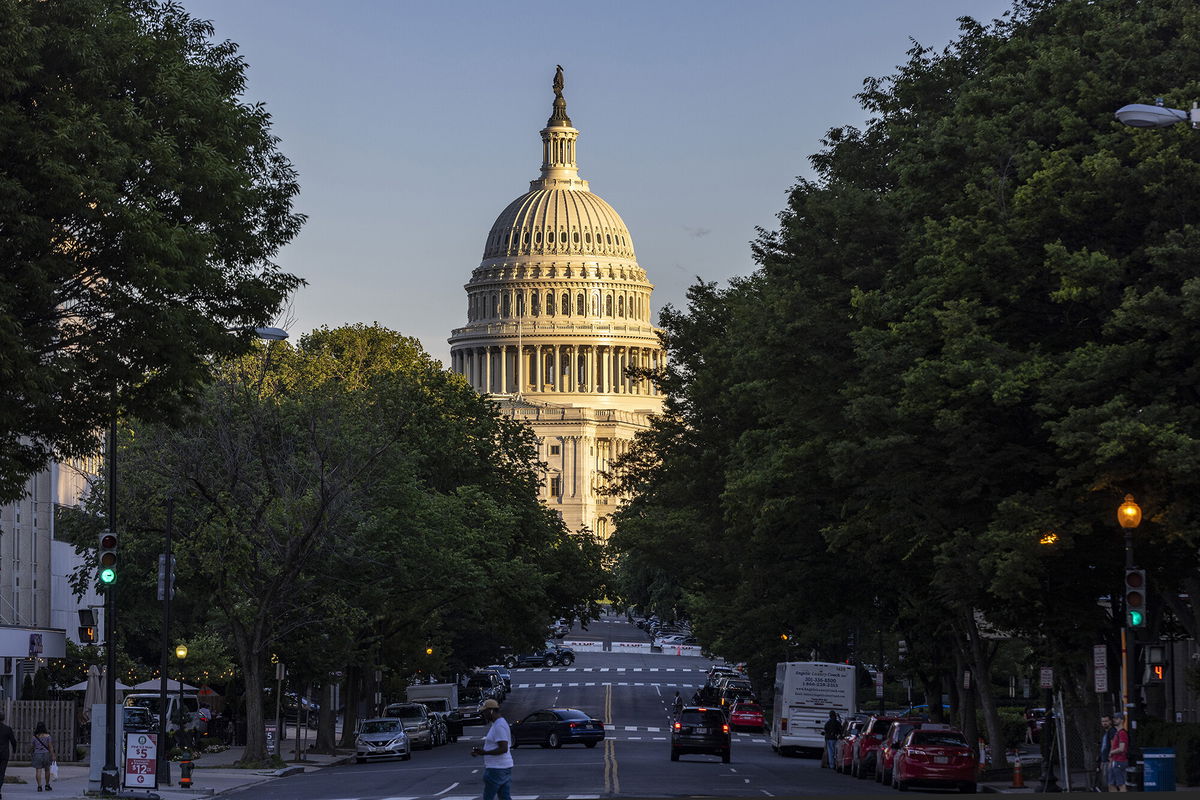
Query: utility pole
{"points": [[108, 775], [166, 585]]}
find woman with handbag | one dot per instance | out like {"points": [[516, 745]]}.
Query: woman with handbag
{"points": [[43, 758]]}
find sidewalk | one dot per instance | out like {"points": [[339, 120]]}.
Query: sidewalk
{"points": [[214, 774]]}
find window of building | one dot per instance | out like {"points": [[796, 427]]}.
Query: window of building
{"points": [[555, 449], [549, 304], [556, 486], [595, 305], [534, 302], [506, 305], [576, 237], [579, 304], [562, 237], [620, 306], [587, 238], [537, 238], [566, 303], [608, 306], [495, 305]]}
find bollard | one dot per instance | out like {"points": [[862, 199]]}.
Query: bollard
{"points": [[185, 770], [1018, 779]]}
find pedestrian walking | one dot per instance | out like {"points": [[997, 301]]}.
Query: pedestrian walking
{"points": [[677, 704], [43, 756], [1118, 755], [8, 746], [1106, 737], [832, 732], [496, 752]]}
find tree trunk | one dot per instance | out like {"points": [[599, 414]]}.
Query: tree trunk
{"points": [[981, 662], [353, 685], [256, 739], [326, 720]]}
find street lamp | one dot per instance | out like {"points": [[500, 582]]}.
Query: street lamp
{"points": [[1129, 516], [181, 654]]}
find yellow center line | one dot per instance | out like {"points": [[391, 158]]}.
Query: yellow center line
{"points": [[612, 783]]}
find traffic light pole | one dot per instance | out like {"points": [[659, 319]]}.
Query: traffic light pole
{"points": [[168, 588], [108, 775], [1127, 633]]}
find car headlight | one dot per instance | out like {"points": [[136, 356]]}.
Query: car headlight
{"points": [[359, 741], [397, 740]]}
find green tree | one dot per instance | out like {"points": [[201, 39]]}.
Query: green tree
{"points": [[142, 202]]}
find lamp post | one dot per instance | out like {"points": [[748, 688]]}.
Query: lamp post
{"points": [[181, 652], [1129, 516], [109, 775], [1141, 115]]}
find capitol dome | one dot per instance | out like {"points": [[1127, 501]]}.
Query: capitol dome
{"points": [[559, 221]]}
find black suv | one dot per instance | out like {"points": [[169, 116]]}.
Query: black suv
{"points": [[551, 655], [700, 729]]}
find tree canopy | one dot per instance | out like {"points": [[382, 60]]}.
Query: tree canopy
{"points": [[976, 326], [141, 204]]}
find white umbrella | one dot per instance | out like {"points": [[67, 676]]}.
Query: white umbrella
{"points": [[94, 691], [153, 684]]}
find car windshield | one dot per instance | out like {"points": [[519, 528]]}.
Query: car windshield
{"points": [[938, 739], [753, 708], [899, 731], [470, 694], [381, 726], [702, 716], [406, 712]]}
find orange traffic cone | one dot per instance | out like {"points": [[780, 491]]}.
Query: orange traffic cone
{"points": [[1018, 779]]}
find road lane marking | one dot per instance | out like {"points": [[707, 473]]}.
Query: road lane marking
{"points": [[448, 788]]}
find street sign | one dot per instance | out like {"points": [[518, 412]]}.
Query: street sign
{"points": [[272, 739], [966, 679], [1101, 679], [141, 761], [1047, 676], [1100, 655], [879, 683]]}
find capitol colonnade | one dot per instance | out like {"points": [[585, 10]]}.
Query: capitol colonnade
{"points": [[558, 312]]}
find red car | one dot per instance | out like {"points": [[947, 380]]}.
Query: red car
{"points": [[866, 746], [843, 751], [745, 714], [896, 735], [939, 758]]}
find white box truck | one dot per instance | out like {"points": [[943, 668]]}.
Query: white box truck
{"points": [[805, 693], [442, 700]]}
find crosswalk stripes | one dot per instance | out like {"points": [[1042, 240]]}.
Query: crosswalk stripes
{"points": [[603, 683], [474, 797]]}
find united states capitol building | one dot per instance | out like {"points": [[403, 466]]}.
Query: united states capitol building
{"points": [[557, 311]]}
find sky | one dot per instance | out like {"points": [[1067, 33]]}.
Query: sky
{"points": [[413, 124]]}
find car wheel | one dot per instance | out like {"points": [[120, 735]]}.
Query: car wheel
{"points": [[589, 744], [854, 769], [553, 741], [725, 757], [429, 744], [968, 788], [902, 785], [550, 662], [406, 757], [567, 661], [674, 754], [358, 760], [862, 771]]}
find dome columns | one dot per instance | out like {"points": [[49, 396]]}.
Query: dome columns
{"points": [[557, 368]]}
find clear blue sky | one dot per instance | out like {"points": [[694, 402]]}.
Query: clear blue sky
{"points": [[413, 124]]}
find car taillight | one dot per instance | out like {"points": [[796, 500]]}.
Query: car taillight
{"points": [[725, 728], [916, 755], [573, 724], [677, 726], [783, 724]]}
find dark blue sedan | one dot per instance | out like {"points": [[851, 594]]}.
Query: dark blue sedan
{"points": [[554, 727]]}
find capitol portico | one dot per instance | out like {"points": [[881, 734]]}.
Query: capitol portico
{"points": [[558, 311]]}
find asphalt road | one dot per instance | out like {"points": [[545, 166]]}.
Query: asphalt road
{"points": [[632, 693]]}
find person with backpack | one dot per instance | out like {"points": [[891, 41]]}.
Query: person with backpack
{"points": [[832, 732]]}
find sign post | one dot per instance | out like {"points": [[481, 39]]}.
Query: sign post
{"points": [[141, 760]]}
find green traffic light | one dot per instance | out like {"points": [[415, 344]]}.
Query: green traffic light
{"points": [[108, 575], [1136, 619]]}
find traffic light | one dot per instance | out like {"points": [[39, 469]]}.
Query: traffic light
{"points": [[108, 557], [1156, 673], [166, 576], [1135, 597], [87, 635]]}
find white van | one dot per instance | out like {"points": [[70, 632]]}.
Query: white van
{"points": [[151, 701]]}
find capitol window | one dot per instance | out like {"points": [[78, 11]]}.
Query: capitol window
{"points": [[608, 236], [587, 237], [533, 303], [537, 237], [549, 304], [608, 306], [566, 303], [620, 306], [562, 236], [576, 237], [555, 449], [579, 304]]}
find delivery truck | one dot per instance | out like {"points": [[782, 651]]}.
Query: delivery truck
{"points": [[805, 693], [442, 700]]}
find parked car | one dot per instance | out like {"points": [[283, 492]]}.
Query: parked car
{"points": [[417, 723], [552, 655], [504, 674], [499, 690], [559, 629], [138, 718], [736, 694], [746, 714], [381, 738], [488, 684], [554, 727], [867, 744], [701, 729], [935, 758], [843, 752], [469, 700], [896, 733]]}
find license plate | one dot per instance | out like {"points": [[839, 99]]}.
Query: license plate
{"points": [[701, 730], [941, 759]]}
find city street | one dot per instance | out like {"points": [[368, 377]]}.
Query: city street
{"points": [[632, 694]]}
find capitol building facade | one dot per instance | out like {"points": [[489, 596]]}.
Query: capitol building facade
{"points": [[557, 312]]}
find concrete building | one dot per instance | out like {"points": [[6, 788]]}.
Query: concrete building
{"points": [[557, 311], [38, 610]]}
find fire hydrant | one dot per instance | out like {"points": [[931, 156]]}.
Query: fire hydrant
{"points": [[185, 769]]}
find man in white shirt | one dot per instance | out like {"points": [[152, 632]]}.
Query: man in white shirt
{"points": [[497, 758]]}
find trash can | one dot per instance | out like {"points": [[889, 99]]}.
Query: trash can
{"points": [[1158, 769]]}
